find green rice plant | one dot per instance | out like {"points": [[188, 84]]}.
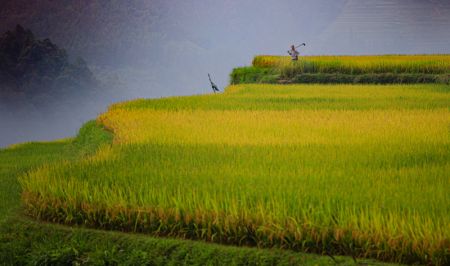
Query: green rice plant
{"points": [[53, 244], [382, 69], [360, 170], [423, 64]]}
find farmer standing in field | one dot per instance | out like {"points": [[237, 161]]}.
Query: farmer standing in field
{"points": [[293, 53]]}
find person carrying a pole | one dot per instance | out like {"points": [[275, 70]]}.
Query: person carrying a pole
{"points": [[293, 53]]}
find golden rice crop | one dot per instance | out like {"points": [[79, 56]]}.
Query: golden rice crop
{"points": [[294, 127], [425, 64], [342, 169]]}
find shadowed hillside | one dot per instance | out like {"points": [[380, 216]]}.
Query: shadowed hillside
{"points": [[165, 47], [35, 67], [43, 91]]}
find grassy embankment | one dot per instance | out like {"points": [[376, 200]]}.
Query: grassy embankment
{"points": [[341, 169], [382, 69], [24, 241]]}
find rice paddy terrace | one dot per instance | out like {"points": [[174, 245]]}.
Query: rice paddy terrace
{"points": [[359, 170], [373, 69]]}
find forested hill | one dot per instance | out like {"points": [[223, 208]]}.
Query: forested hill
{"points": [[45, 92], [32, 66]]}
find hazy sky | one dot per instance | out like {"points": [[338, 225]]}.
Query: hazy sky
{"points": [[158, 48]]}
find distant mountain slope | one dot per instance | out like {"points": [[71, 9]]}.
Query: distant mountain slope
{"points": [[166, 47], [154, 31], [92, 29], [45, 94], [33, 66]]}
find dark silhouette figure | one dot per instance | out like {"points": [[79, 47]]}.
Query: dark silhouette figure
{"points": [[213, 86]]}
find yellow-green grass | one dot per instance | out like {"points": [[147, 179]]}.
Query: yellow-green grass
{"points": [[425, 64], [342, 169], [24, 241]]}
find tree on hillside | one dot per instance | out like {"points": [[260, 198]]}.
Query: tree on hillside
{"points": [[35, 66]]}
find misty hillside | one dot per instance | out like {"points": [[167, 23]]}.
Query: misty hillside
{"points": [[33, 67], [158, 47], [42, 91], [169, 45], [98, 29]]}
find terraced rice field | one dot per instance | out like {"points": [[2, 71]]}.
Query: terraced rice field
{"points": [[421, 64], [339, 169]]}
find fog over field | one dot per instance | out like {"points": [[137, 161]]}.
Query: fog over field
{"points": [[158, 48]]}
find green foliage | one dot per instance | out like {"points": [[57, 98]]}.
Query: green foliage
{"points": [[292, 75], [356, 65], [15, 161], [306, 97], [347, 169], [26, 242], [253, 75], [19, 158], [90, 137], [346, 69]]}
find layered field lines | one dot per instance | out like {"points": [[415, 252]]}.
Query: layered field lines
{"points": [[25, 241], [309, 97], [360, 170], [424, 64], [379, 69]]}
